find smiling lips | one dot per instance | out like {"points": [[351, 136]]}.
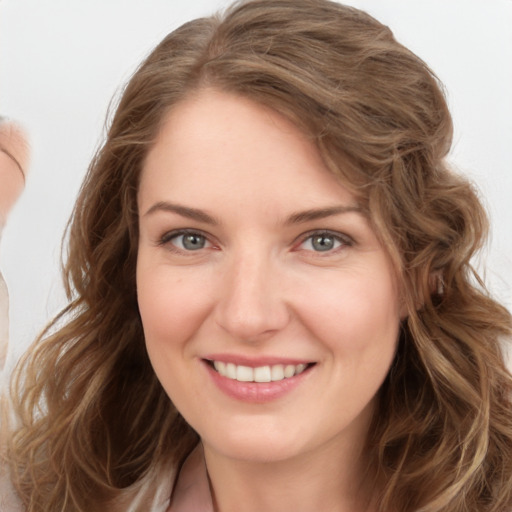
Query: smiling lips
{"points": [[268, 373], [259, 381]]}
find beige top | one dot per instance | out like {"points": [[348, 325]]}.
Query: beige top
{"points": [[191, 491]]}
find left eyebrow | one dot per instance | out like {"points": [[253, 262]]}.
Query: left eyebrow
{"points": [[184, 211], [322, 213]]}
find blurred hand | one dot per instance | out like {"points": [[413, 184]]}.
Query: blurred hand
{"points": [[14, 160], [14, 157]]}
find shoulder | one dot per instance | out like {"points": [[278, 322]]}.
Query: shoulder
{"points": [[151, 494], [191, 492]]}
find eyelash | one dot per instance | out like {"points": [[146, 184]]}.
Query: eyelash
{"points": [[167, 238], [340, 238]]}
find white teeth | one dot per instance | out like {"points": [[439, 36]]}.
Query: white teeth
{"points": [[260, 373], [230, 371], [220, 366], [300, 368], [244, 374], [277, 372], [289, 371]]}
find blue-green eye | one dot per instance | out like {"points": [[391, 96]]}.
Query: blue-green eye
{"points": [[323, 242], [187, 241]]}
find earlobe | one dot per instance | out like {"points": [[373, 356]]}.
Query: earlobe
{"points": [[403, 313], [436, 282], [435, 287], [404, 306]]}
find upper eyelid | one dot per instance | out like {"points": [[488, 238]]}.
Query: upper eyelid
{"points": [[167, 236], [337, 234]]}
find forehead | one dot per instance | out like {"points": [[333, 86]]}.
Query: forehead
{"points": [[215, 143]]}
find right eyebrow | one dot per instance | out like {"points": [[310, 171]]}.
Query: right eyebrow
{"points": [[184, 211], [322, 213]]}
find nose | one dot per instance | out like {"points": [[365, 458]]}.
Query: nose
{"points": [[252, 305]]}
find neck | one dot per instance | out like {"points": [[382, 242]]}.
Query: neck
{"points": [[330, 479]]}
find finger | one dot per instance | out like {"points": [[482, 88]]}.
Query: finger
{"points": [[14, 144]]}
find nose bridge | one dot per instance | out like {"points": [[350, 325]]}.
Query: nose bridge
{"points": [[252, 303]]}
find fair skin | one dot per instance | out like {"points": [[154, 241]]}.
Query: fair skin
{"points": [[13, 163], [14, 157], [252, 255]]}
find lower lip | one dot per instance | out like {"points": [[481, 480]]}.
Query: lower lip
{"points": [[256, 392]]}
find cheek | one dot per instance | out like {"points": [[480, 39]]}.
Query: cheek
{"points": [[353, 312], [172, 306], [171, 311]]}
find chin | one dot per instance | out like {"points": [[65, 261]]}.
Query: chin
{"points": [[257, 443], [257, 450]]}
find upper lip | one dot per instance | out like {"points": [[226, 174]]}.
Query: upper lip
{"points": [[254, 362]]}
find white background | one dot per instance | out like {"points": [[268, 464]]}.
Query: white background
{"points": [[61, 61]]}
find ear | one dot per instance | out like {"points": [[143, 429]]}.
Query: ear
{"points": [[436, 282], [405, 307], [404, 311], [435, 287]]}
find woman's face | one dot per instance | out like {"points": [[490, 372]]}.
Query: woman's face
{"points": [[270, 309]]}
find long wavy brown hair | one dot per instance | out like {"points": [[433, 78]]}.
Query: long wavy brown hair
{"points": [[94, 423]]}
